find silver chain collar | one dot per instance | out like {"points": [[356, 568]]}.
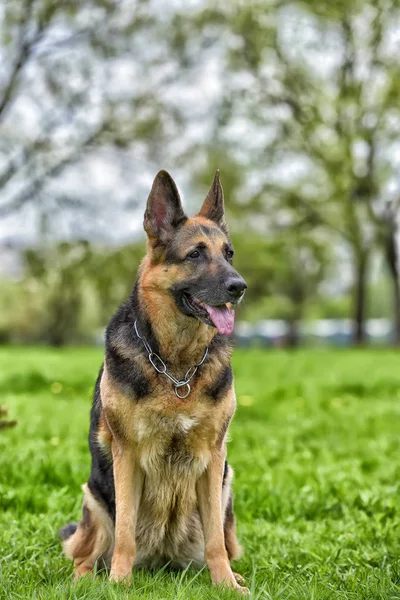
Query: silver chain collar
{"points": [[161, 367]]}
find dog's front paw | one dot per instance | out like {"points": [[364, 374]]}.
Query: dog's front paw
{"points": [[121, 569], [221, 574], [118, 576], [241, 589], [238, 586], [238, 577], [234, 583]]}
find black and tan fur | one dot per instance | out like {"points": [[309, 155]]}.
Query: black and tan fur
{"points": [[160, 488]]}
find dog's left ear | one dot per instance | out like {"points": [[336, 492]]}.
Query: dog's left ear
{"points": [[213, 205], [164, 210]]}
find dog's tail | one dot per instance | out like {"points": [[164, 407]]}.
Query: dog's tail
{"points": [[68, 530]]}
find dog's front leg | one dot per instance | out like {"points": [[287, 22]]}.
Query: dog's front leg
{"points": [[128, 482], [209, 495]]}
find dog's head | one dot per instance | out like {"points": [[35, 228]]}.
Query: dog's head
{"points": [[191, 259]]}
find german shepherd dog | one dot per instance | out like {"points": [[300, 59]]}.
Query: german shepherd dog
{"points": [[159, 491]]}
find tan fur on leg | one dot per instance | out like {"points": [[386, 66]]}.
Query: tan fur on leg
{"points": [[128, 479], [232, 545], [210, 497]]}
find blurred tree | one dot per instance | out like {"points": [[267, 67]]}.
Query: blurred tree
{"points": [[367, 124], [380, 305], [76, 77], [388, 237], [59, 273], [310, 104], [328, 306], [284, 273], [71, 289], [112, 273]]}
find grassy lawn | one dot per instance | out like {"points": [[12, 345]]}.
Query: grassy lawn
{"points": [[316, 451]]}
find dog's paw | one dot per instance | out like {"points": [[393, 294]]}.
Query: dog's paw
{"points": [[233, 581], [120, 576], [121, 571], [121, 568], [241, 589]]}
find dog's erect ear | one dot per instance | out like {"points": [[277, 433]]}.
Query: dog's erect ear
{"points": [[213, 205], [164, 210]]}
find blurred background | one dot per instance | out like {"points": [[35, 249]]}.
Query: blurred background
{"points": [[296, 102]]}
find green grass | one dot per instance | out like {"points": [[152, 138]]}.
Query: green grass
{"points": [[316, 451]]}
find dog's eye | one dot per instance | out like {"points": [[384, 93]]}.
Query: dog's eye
{"points": [[229, 253], [194, 254]]}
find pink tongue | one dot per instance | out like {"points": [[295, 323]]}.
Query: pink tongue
{"points": [[222, 317]]}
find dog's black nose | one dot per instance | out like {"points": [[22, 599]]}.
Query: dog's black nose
{"points": [[236, 286]]}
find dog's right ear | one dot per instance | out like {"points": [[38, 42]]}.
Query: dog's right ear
{"points": [[164, 210], [213, 205]]}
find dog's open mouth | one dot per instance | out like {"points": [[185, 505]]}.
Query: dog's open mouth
{"points": [[222, 317]]}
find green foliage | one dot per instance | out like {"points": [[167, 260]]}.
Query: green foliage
{"points": [[112, 274], [58, 272], [331, 307], [283, 271], [316, 453], [68, 291]]}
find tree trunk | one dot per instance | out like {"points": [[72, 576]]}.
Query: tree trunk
{"points": [[297, 295], [360, 300], [392, 260], [293, 337]]}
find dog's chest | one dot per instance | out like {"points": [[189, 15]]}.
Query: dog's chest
{"points": [[154, 425], [172, 442]]}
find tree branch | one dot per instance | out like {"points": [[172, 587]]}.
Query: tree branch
{"points": [[25, 48], [37, 184], [23, 155]]}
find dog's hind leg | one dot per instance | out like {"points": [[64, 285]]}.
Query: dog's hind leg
{"points": [[232, 545], [90, 540]]}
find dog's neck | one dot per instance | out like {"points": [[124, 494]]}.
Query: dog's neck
{"points": [[178, 339]]}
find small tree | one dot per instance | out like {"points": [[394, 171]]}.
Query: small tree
{"points": [[288, 267], [60, 273]]}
